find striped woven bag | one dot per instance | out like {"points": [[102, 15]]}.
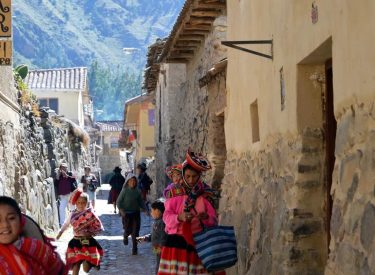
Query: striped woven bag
{"points": [[217, 247]]}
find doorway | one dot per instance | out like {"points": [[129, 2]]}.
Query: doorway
{"points": [[317, 127], [330, 127]]}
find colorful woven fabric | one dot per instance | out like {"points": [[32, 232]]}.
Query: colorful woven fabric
{"points": [[84, 249], [85, 223], [199, 189], [30, 256], [180, 258], [173, 190]]}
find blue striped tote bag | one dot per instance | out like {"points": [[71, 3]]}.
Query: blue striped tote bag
{"points": [[217, 247]]}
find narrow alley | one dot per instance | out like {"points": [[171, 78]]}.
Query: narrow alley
{"points": [[117, 257], [245, 128]]}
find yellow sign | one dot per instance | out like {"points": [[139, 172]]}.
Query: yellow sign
{"points": [[5, 52], [5, 18]]}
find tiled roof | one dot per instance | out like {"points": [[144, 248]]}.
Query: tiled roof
{"points": [[110, 126], [64, 79]]}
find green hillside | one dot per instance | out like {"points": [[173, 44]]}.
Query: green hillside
{"points": [[51, 33]]}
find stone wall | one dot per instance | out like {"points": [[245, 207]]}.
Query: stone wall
{"points": [[352, 243], [192, 104], [31, 147], [275, 197], [184, 110], [166, 123]]}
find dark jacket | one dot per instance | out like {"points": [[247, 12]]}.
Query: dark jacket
{"points": [[65, 185], [130, 200], [117, 181], [144, 182], [158, 235]]}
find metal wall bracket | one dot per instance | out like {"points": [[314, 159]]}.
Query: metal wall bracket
{"points": [[233, 44]]}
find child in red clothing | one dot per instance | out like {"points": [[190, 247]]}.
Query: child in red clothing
{"points": [[175, 174], [83, 248], [21, 255]]}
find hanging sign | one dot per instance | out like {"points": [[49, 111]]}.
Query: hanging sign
{"points": [[5, 52], [5, 18]]}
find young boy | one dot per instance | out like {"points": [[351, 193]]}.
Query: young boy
{"points": [[130, 203], [158, 235]]}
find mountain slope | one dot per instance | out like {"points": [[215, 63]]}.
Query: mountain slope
{"points": [[51, 33], [93, 33]]}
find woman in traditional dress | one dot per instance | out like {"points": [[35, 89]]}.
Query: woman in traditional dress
{"points": [[116, 182], [83, 249], [187, 208], [21, 255]]}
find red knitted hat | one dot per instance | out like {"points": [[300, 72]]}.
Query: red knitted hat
{"points": [[74, 196]]}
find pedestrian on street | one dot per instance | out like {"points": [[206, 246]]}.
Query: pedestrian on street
{"points": [[83, 249], [189, 207], [175, 174], [144, 181], [89, 185], [158, 235], [20, 254], [116, 182], [129, 204], [65, 184]]}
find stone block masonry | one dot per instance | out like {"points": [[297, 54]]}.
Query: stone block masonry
{"points": [[186, 112], [275, 199], [352, 243], [31, 147]]}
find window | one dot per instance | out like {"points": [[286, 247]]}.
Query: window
{"points": [[52, 103], [114, 142], [151, 117], [282, 89], [254, 121]]}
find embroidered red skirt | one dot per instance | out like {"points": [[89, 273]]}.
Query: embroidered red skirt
{"points": [[84, 249], [180, 258]]}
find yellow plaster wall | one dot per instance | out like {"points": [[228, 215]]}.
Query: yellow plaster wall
{"points": [[146, 132], [288, 23]]}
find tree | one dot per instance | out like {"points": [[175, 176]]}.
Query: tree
{"points": [[110, 88]]}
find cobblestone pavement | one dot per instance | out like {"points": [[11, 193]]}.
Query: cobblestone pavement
{"points": [[117, 257]]}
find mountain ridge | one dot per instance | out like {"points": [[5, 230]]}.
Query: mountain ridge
{"points": [[50, 33], [93, 33]]}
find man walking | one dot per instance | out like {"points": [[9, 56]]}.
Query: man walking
{"points": [[89, 185], [65, 184]]}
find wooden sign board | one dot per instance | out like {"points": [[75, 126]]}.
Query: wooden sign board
{"points": [[5, 18], [5, 52]]}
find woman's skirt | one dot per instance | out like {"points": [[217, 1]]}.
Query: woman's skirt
{"points": [[178, 257], [113, 195], [84, 249]]}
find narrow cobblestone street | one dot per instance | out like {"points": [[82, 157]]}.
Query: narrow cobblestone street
{"points": [[117, 258]]}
